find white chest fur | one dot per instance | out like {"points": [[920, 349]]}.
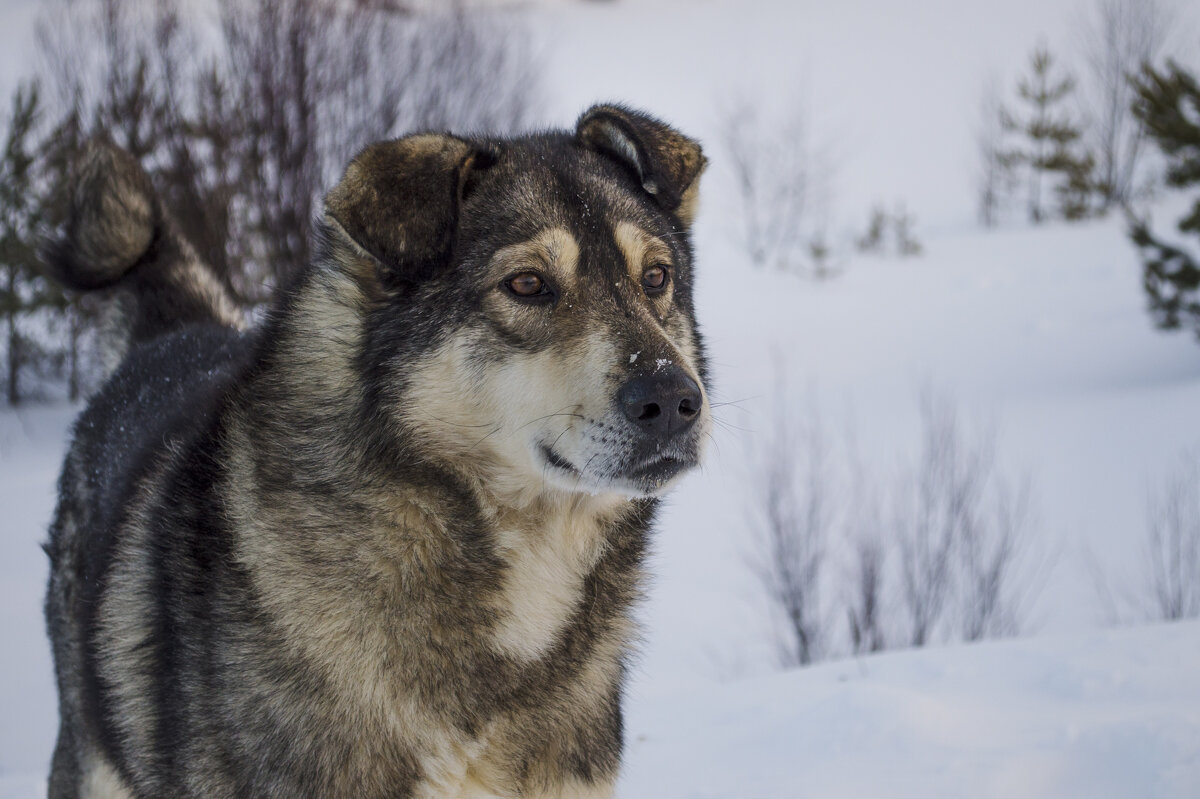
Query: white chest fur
{"points": [[547, 559]]}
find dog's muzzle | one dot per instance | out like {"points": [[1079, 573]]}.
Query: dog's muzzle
{"points": [[657, 440]]}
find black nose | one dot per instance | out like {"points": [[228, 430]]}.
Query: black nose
{"points": [[662, 403]]}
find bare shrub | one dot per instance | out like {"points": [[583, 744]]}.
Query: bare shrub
{"points": [[1172, 552], [794, 515], [1116, 38], [866, 613], [244, 117], [995, 177], [1166, 586], [244, 125], [948, 558], [784, 180], [318, 81], [962, 535], [939, 503], [992, 596], [481, 73]]}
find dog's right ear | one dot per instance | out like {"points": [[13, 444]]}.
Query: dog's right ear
{"points": [[398, 202]]}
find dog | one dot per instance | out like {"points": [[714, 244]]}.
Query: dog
{"points": [[386, 542]]}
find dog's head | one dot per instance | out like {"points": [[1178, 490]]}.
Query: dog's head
{"points": [[533, 299]]}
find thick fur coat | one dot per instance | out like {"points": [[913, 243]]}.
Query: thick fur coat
{"points": [[385, 544]]}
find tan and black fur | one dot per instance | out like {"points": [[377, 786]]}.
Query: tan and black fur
{"points": [[386, 544]]}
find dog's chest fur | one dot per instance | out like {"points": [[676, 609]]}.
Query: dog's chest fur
{"points": [[487, 644], [547, 554]]}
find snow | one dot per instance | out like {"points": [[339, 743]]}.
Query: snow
{"points": [[32, 443], [1103, 714], [892, 88], [1041, 331]]}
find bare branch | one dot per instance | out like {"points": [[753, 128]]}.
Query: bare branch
{"points": [[1172, 553], [1116, 39], [784, 180], [794, 512]]}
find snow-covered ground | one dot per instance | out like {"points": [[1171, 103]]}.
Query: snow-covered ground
{"points": [[31, 448], [1104, 715], [1042, 332]]}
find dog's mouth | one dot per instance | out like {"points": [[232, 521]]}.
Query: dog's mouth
{"points": [[646, 476], [660, 469], [557, 461]]}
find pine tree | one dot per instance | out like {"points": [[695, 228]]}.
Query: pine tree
{"points": [[1076, 189], [872, 239], [1050, 149], [24, 290], [1168, 104]]}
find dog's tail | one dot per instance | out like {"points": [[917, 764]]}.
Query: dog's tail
{"points": [[118, 236]]}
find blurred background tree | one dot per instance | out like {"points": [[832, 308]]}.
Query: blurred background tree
{"points": [[27, 297], [242, 120], [1116, 39], [1168, 103], [1048, 139], [243, 125]]}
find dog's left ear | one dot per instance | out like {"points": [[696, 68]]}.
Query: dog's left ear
{"points": [[399, 200], [666, 163]]}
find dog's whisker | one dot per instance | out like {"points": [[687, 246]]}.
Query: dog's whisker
{"points": [[715, 443], [456, 424], [730, 426], [736, 402], [550, 416], [560, 435], [493, 432]]}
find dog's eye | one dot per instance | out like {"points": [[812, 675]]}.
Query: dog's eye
{"points": [[528, 285], [654, 279]]}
